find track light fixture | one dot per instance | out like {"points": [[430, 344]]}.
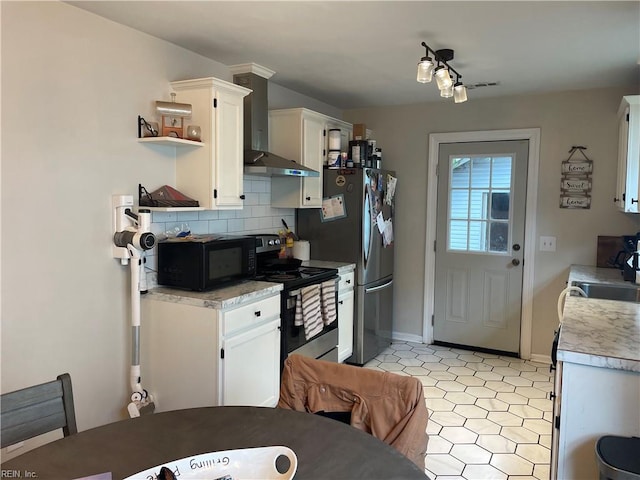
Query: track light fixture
{"points": [[438, 66]]}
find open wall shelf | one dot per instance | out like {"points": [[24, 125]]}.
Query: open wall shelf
{"points": [[170, 141]]}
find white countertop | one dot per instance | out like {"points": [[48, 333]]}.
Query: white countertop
{"points": [[341, 266], [220, 298], [600, 333], [587, 273]]}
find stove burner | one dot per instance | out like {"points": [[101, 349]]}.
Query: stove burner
{"points": [[281, 277], [279, 271], [312, 270]]}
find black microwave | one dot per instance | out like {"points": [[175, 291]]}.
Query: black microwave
{"points": [[204, 262]]}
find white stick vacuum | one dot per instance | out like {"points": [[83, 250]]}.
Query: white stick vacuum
{"points": [[132, 238]]}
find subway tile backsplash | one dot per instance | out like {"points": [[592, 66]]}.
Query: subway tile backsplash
{"points": [[257, 216]]}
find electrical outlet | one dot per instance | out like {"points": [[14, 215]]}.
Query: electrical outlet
{"points": [[547, 244]]}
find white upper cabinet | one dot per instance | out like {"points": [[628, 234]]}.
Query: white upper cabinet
{"points": [[213, 174], [301, 135], [628, 186]]}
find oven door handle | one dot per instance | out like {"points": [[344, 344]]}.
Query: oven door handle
{"points": [[379, 287], [294, 293]]}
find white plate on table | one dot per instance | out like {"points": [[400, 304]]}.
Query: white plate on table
{"points": [[241, 464]]}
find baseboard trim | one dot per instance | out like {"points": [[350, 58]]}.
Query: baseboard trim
{"points": [[406, 337], [539, 358]]}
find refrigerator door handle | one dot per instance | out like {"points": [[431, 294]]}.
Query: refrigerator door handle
{"points": [[379, 287], [367, 237]]}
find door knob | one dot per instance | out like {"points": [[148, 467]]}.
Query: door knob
{"points": [[516, 247], [515, 262]]}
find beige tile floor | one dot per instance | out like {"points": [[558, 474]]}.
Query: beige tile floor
{"points": [[489, 415]]}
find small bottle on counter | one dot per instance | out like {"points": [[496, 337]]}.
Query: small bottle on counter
{"points": [[283, 244], [289, 245]]}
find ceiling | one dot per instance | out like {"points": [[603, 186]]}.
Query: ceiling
{"points": [[353, 54]]}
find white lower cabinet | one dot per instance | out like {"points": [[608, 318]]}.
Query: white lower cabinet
{"points": [[593, 401], [192, 356], [251, 363], [345, 315]]}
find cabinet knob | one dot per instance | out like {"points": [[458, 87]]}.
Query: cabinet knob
{"points": [[241, 197], [308, 199], [258, 313], [634, 200], [615, 200], [341, 302], [348, 281]]}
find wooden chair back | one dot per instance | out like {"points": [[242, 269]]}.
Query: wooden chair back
{"points": [[38, 409]]}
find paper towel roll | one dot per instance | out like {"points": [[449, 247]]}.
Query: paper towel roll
{"points": [[301, 250]]}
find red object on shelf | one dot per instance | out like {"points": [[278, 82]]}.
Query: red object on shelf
{"points": [[165, 196]]}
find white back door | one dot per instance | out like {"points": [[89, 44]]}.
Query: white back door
{"points": [[480, 244]]}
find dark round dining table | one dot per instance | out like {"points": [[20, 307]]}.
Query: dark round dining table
{"points": [[325, 448]]}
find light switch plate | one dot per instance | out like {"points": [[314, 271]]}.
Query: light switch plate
{"points": [[547, 244]]}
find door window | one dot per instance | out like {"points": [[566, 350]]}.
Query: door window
{"points": [[480, 204]]}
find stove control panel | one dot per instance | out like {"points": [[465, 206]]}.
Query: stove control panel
{"points": [[267, 242]]}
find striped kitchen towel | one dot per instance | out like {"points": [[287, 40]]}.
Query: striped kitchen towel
{"points": [[297, 319], [328, 297], [308, 311]]}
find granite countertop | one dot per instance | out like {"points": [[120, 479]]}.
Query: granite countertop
{"points": [[235, 295], [341, 266], [600, 333], [587, 273], [220, 298]]}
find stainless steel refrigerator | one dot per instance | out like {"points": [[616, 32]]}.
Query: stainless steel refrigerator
{"points": [[355, 225]]}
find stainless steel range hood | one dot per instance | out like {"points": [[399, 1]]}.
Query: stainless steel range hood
{"points": [[257, 159]]}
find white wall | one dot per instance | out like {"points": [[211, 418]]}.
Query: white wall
{"points": [[73, 84], [585, 118], [282, 97]]}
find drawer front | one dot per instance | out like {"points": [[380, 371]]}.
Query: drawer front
{"points": [[252, 314], [347, 281]]}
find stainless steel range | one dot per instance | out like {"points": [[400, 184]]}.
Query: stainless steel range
{"points": [[295, 277]]}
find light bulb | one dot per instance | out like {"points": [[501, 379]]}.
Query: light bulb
{"points": [[459, 93], [447, 92], [425, 70], [443, 79]]}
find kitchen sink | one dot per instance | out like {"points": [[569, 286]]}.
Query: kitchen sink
{"points": [[625, 293]]}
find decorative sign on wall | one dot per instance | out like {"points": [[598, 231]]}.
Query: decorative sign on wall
{"points": [[575, 180]]}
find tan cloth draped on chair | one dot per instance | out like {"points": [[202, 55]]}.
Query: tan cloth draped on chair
{"points": [[390, 407]]}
